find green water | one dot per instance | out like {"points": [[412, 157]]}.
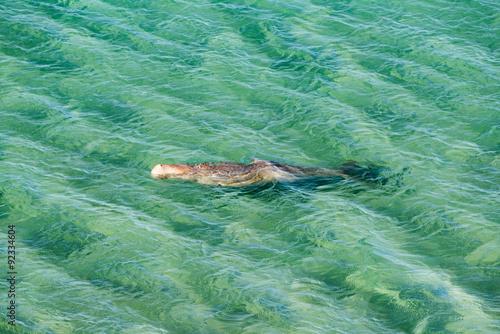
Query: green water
{"points": [[94, 93]]}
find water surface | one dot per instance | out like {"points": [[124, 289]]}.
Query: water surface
{"points": [[94, 93]]}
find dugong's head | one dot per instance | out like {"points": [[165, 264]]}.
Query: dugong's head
{"points": [[164, 171]]}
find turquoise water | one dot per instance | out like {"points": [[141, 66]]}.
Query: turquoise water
{"points": [[94, 93]]}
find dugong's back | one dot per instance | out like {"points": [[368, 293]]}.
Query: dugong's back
{"points": [[235, 174]]}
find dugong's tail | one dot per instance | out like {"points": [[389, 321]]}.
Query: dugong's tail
{"points": [[369, 174]]}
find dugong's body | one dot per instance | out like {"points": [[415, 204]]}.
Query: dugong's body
{"points": [[237, 175]]}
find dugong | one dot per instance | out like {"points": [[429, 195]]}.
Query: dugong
{"points": [[232, 174]]}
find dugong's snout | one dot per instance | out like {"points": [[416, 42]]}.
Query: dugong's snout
{"points": [[158, 171], [163, 171]]}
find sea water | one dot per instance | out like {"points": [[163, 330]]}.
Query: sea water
{"points": [[94, 93]]}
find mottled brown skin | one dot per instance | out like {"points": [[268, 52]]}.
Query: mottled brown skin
{"points": [[234, 174]]}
